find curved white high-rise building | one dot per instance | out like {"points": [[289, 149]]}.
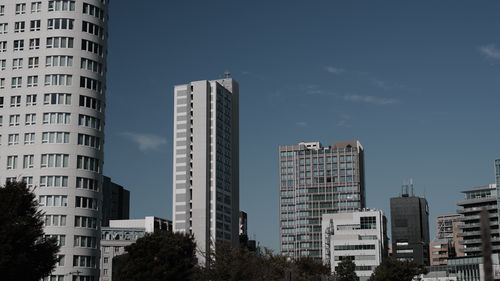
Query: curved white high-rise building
{"points": [[52, 85]]}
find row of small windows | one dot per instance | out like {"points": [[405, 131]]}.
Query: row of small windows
{"points": [[55, 80], [54, 42], [53, 61], [57, 5], [62, 181], [318, 160], [54, 160], [54, 98]]}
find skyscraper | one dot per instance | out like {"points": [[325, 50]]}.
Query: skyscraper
{"points": [[206, 162], [410, 228], [52, 85], [316, 180]]}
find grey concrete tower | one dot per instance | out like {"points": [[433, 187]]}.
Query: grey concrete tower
{"points": [[206, 162], [52, 100]]}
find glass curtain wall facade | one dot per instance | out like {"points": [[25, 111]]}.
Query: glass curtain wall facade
{"points": [[316, 180]]}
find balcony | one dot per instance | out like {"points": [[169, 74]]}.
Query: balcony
{"points": [[476, 200], [475, 209]]}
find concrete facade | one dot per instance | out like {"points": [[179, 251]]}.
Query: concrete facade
{"points": [[52, 101], [410, 228], [316, 180], [121, 233], [475, 200], [206, 162], [360, 236]]}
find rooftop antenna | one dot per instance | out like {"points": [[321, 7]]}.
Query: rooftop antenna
{"points": [[227, 74], [411, 187]]}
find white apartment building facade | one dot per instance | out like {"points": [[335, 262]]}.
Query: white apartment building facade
{"points": [[52, 100], [360, 236], [206, 162]]}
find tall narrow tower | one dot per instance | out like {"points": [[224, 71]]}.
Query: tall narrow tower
{"points": [[52, 84], [206, 162]]}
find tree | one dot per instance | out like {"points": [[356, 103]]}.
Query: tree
{"points": [[395, 270], [346, 270], [24, 253], [156, 257]]}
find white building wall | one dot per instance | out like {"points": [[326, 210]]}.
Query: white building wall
{"points": [[343, 236], [34, 64], [206, 158]]}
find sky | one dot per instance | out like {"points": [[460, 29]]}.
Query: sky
{"points": [[416, 82]]}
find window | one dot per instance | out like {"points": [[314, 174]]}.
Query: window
{"points": [[54, 220], [61, 5], [28, 181], [86, 183], [14, 120], [84, 261], [15, 101], [58, 80], [29, 138], [53, 200], [87, 163], [30, 119], [34, 43], [28, 161], [86, 203], [13, 139], [56, 118], [54, 160], [18, 45], [89, 121], [3, 28], [61, 240], [32, 81], [35, 25], [12, 162], [93, 11], [3, 64], [19, 26], [92, 47], [91, 141], [85, 242], [90, 102], [20, 8], [31, 100], [91, 65], [17, 64], [1, 102], [17, 82], [91, 84], [55, 137], [1, 120], [2, 83], [60, 24], [368, 222], [3, 46], [93, 29], [59, 42], [57, 98], [53, 181], [33, 62], [2, 10], [36, 7], [86, 222], [58, 61]]}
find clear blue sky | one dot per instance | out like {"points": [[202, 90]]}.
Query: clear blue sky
{"points": [[416, 82]]}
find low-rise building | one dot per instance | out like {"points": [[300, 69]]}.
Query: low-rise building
{"points": [[360, 236], [122, 233]]}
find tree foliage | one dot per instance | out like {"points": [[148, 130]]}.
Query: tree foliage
{"points": [[395, 270], [156, 257], [230, 263], [345, 271], [24, 253]]}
